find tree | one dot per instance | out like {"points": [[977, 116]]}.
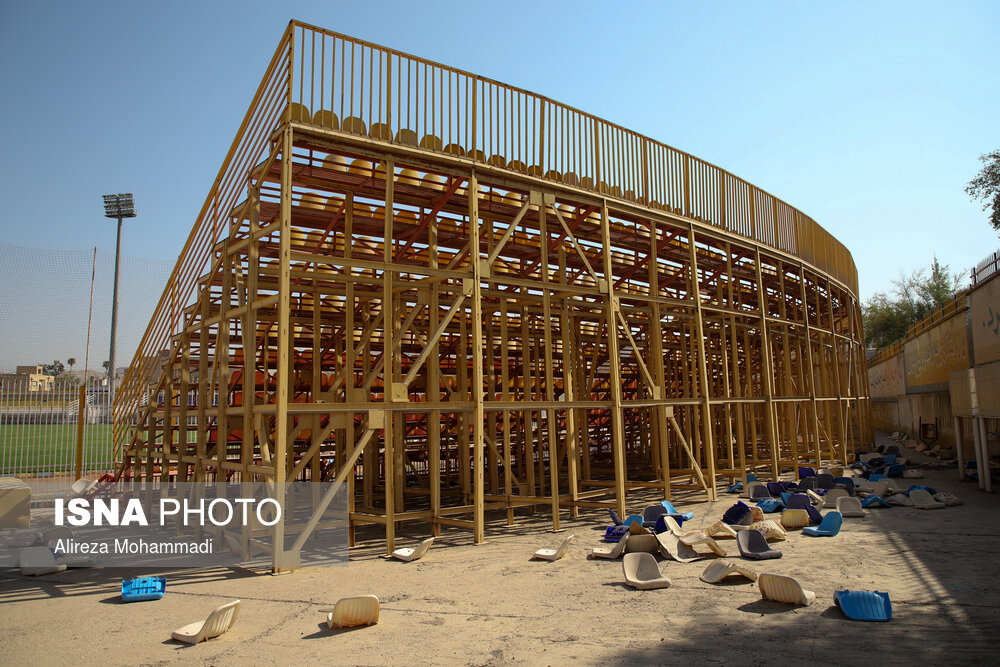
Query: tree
{"points": [[986, 186], [887, 316], [72, 362], [55, 368]]}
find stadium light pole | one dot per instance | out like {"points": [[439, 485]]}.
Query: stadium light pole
{"points": [[118, 206]]}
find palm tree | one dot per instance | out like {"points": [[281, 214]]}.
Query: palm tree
{"points": [[72, 362]]}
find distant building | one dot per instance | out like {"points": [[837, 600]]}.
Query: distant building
{"points": [[30, 377]]}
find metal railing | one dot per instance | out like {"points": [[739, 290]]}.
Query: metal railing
{"points": [[332, 80], [985, 269]]}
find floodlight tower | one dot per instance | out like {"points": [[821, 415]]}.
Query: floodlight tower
{"points": [[118, 206]]}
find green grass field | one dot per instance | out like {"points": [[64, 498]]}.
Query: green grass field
{"points": [[52, 448]]}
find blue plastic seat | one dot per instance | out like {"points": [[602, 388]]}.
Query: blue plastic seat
{"points": [[828, 527], [661, 522], [651, 513], [615, 533], [864, 605], [890, 459], [615, 519], [928, 489], [874, 500], [736, 488], [673, 510], [751, 477], [632, 518], [825, 481], [895, 470], [141, 589], [735, 514], [876, 477], [806, 472], [769, 505], [775, 488]]}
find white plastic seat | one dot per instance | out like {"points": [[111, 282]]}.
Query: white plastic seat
{"points": [[354, 611], [219, 621], [39, 561], [554, 554], [407, 554], [642, 572]]}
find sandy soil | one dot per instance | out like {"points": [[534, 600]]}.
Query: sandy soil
{"points": [[490, 604]]}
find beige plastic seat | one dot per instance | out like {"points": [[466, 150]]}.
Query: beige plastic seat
{"points": [[300, 113], [535, 170], [432, 143], [497, 161], [354, 125], [645, 542], [837, 471], [720, 569], [219, 621], [784, 589], [899, 499], [750, 487], [477, 155], [692, 537], [850, 507], [670, 546], [353, 612], [380, 131], [720, 528], [554, 554], [949, 499], [587, 183], [455, 149], [569, 178], [793, 519], [39, 561], [923, 500], [517, 165], [832, 496], [81, 487], [642, 572], [407, 554], [553, 175], [612, 552], [815, 498], [406, 137], [770, 529], [326, 118]]}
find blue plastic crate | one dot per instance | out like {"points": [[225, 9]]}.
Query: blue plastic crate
{"points": [[143, 588]]}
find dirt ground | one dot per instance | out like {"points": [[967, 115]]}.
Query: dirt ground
{"points": [[490, 604]]}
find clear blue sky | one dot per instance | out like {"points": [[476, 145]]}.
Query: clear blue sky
{"points": [[867, 116]]}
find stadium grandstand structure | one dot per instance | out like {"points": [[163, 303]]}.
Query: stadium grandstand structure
{"points": [[456, 297]]}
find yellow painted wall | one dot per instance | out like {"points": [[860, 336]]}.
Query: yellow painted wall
{"points": [[936, 352], [984, 305]]}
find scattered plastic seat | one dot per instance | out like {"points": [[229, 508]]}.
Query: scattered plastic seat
{"points": [[753, 545], [615, 533], [554, 554], [718, 570], [736, 488], [784, 589], [353, 612], [770, 529], [720, 528], [614, 517], [759, 492], [777, 488], [753, 485], [831, 497], [141, 589], [770, 505], [890, 459], [692, 537], [874, 501], [794, 518], [642, 542], [828, 527], [632, 518], [670, 546], [651, 513], [407, 554], [219, 621], [807, 483], [799, 501], [900, 499], [673, 510], [895, 470], [825, 481], [864, 605], [642, 572], [923, 500], [850, 507], [949, 499], [611, 553], [39, 561], [738, 514]]}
